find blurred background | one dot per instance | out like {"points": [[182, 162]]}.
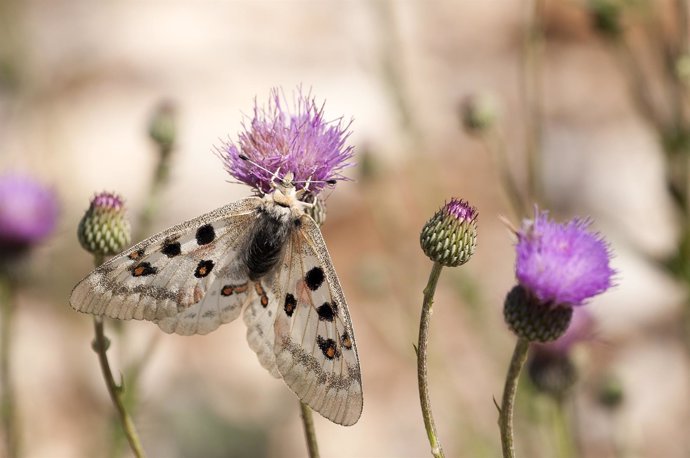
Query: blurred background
{"points": [[578, 106]]}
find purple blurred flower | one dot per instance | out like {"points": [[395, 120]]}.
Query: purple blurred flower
{"points": [[28, 210], [563, 264], [301, 142]]}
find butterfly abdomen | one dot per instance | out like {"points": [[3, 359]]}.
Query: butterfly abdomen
{"points": [[267, 240]]}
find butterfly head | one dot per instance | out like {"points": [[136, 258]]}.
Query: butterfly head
{"points": [[286, 195]]}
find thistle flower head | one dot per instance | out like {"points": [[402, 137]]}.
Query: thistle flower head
{"points": [[450, 236], [558, 266], [28, 211], [300, 141], [562, 264], [104, 229]]}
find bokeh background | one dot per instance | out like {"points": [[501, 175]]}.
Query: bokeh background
{"points": [[585, 86]]}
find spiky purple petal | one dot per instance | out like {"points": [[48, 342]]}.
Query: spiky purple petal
{"points": [[562, 263], [299, 141]]}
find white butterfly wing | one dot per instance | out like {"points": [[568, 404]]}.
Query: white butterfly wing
{"points": [[259, 316], [187, 279], [315, 349]]}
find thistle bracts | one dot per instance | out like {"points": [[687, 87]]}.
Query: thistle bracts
{"points": [[450, 236], [104, 229], [533, 320]]}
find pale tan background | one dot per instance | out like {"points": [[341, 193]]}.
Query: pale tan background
{"points": [[86, 79]]}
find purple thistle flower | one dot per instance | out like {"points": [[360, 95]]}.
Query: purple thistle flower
{"points": [[301, 142], [28, 211], [563, 264]]}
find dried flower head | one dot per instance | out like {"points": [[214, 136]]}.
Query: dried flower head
{"points": [[563, 264], [300, 141], [450, 236], [28, 211], [104, 229]]}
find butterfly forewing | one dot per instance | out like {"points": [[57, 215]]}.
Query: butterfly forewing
{"points": [[177, 277], [314, 345]]}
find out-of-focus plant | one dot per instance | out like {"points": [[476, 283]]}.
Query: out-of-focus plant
{"points": [[666, 70], [28, 215]]}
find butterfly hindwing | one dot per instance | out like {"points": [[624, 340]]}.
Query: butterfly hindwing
{"points": [[259, 316], [179, 278], [315, 349]]}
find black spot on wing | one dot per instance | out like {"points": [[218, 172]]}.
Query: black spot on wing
{"points": [[345, 341], [325, 312], [314, 278], [229, 290], [290, 304], [136, 255], [204, 268], [205, 234], [328, 347], [143, 269], [171, 248]]}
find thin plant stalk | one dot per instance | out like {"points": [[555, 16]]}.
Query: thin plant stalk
{"points": [[505, 418], [563, 438], [422, 375], [7, 401], [494, 143], [100, 346], [309, 431], [533, 48]]}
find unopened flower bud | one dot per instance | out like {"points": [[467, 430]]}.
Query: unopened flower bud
{"points": [[450, 236], [479, 112], [162, 127], [104, 229]]}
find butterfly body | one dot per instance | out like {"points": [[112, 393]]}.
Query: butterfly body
{"points": [[264, 255]]}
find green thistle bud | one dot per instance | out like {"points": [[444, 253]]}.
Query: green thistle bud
{"points": [[534, 320], [611, 393], [552, 373], [318, 211], [606, 16], [162, 126], [479, 112], [450, 236], [104, 230]]}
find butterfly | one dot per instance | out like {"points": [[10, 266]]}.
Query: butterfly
{"points": [[264, 255]]}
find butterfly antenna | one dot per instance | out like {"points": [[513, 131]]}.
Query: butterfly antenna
{"points": [[274, 175]]}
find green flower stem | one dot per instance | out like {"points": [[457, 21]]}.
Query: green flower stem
{"points": [[7, 400], [565, 445], [160, 179], [532, 84], [494, 143], [429, 291], [309, 431], [505, 417], [100, 346]]}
